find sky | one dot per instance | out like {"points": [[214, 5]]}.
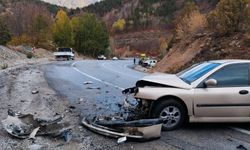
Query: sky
{"points": [[71, 3]]}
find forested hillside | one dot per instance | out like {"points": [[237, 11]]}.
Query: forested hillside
{"points": [[158, 28], [143, 26], [143, 14]]}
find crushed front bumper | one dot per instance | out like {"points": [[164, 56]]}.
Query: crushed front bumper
{"points": [[129, 91], [139, 130]]}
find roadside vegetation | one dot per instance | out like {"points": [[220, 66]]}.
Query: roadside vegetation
{"points": [[45, 26], [222, 33]]}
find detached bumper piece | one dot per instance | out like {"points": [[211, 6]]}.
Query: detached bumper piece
{"points": [[138, 130]]}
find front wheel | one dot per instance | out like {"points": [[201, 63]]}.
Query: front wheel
{"points": [[173, 113]]}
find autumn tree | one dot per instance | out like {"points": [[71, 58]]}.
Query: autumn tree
{"points": [[29, 24], [190, 21], [188, 8], [90, 35], [62, 31], [230, 16], [190, 24], [4, 32], [119, 25]]}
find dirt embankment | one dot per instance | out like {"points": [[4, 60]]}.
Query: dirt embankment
{"points": [[203, 47], [15, 88], [17, 56], [135, 43]]}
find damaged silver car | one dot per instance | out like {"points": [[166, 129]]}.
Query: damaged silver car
{"points": [[213, 91]]}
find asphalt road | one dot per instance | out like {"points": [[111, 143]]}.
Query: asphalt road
{"points": [[109, 78]]}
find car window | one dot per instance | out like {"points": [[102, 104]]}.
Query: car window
{"points": [[232, 75], [64, 50]]}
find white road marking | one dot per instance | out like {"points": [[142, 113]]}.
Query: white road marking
{"points": [[240, 130], [94, 78]]}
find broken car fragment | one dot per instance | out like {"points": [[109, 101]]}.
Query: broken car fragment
{"points": [[27, 126], [88, 82]]}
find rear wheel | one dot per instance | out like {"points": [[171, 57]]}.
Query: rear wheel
{"points": [[173, 113]]}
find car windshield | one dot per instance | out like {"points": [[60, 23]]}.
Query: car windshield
{"points": [[64, 50], [196, 71]]}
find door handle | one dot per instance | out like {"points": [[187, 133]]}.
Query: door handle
{"points": [[243, 92]]}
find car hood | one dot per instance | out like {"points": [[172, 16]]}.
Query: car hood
{"points": [[166, 80]]}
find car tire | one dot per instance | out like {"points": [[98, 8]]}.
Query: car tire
{"points": [[173, 111]]}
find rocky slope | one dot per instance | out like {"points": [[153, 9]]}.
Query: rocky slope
{"points": [[16, 56], [203, 47], [131, 44]]}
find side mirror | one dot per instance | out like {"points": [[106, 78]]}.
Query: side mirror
{"points": [[210, 82]]}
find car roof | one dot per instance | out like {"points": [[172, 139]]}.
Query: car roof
{"points": [[229, 61]]}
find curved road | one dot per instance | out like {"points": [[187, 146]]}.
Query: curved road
{"points": [[109, 78]]}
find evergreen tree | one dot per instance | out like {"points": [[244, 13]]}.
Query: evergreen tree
{"points": [[90, 35], [4, 32]]}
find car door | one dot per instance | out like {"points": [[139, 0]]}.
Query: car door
{"points": [[230, 97]]}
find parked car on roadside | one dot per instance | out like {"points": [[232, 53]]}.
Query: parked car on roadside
{"points": [[114, 58], [64, 53], [101, 57], [149, 63], [212, 91]]}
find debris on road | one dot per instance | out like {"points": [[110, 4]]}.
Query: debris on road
{"points": [[35, 92], [67, 136], [122, 140], [98, 88], [81, 99], [27, 126], [139, 130], [241, 147], [72, 107], [37, 147], [88, 82], [33, 133]]}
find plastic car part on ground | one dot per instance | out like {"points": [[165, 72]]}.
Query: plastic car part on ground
{"points": [[26, 126], [139, 130]]}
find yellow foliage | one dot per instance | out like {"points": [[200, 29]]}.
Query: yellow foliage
{"points": [[75, 21], [61, 17], [247, 38], [20, 40], [163, 43], [119, 25], [62, 31], [163, 46], [191, 24]]}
